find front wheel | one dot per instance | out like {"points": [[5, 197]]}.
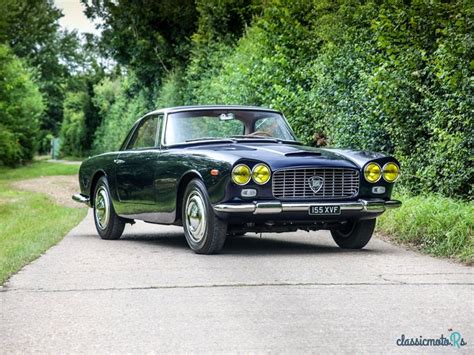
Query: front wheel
{"points": [[108, 224], [205, 233], [355, 234]]}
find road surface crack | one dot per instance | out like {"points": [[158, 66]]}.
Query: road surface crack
{"points": [[236, 285]]}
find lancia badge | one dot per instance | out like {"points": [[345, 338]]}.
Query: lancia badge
{"points": [[315, 183]]}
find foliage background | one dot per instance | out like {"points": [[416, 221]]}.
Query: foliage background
{"points": [[20, 108], [393, 76]]}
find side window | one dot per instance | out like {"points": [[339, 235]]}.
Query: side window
{"points": [[145, 135]]}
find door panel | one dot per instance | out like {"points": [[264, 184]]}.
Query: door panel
{"points": [[135, 167], [135, 174]]}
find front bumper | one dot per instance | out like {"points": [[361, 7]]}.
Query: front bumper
{"points": [[275, 207], [81, 199]]}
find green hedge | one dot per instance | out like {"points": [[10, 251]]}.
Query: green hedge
{"points": [[382, 76], [387, 76], [120, 105]]}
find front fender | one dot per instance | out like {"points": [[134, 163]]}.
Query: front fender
{"points": [[92, 168]]}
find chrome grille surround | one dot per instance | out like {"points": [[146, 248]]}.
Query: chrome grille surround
{"points": [[338, 183]]}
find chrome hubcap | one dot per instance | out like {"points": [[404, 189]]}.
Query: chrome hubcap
{"points": [[195, 218], [102, 207]]}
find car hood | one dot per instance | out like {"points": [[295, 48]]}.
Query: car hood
{"points": [[280, 155]]}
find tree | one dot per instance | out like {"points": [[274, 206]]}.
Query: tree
{"points": [[31, 29], [21, 107], [149, 37], [73, 129]]}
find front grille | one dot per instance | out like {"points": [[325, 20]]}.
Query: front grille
{"points": [[294, 183]]}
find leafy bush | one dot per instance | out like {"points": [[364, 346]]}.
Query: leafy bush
{"points": [[73, 128], [171, 92], [390, 76], [120, 106], [384, 76], [20, 109]]}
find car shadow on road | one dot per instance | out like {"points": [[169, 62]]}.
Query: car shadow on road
{"points": [[254, 245], [250, 245]]}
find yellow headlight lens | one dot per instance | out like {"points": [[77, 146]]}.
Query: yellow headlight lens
{"points": [[241, 174], [391, 172], [372, 172], [261, 174]]}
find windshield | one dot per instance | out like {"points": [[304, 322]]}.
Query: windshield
{"points": [[182, 127]]}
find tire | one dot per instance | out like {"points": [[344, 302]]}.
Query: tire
{"points": [[108, 224], [355, 235], [204, 232]]}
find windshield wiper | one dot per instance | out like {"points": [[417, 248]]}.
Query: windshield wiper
{"points": [[210, 139], [273, 139], [254, 137]]}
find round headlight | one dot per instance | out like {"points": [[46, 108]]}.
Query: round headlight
{"points": [[390, 172], [261, 174], [241, 174], [372, 172]]}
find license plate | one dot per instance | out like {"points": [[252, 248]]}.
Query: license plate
{"points": [[324, 210]]}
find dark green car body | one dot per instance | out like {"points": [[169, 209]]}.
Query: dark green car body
{"points": [[148, 184]]}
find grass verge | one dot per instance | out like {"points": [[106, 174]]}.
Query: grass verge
{"points": [[30, 223], [433, 224]]}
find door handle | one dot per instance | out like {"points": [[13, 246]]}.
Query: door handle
{"points": [[119, 161]]}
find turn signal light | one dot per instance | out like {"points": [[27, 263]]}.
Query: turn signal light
{"points": [[248, 193]]}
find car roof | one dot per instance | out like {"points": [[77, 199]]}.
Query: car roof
{"points": [[210, 107]]}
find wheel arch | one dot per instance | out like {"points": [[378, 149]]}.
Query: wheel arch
{"points": [[95, 178], [183, 183]]}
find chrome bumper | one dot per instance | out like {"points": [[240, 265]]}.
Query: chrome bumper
{"points": [[271, 207], [81, 198]]}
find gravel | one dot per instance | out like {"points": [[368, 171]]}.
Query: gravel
{"points": [[60, 188]]}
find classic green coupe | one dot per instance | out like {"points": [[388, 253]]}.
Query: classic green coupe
{"points": [[228, 170]]}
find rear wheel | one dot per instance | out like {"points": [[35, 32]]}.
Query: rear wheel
{"points": [[205, 233], [108, 224], [355, 234]]}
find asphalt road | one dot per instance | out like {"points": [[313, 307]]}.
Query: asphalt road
{"points": [[293, 292]]}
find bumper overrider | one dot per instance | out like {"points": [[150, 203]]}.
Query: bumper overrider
{"points": [[82, 199], [274, 207]]}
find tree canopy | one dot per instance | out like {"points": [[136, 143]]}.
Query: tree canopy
{"points": [[391, 76]]}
